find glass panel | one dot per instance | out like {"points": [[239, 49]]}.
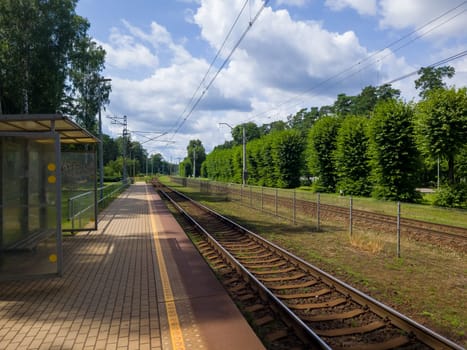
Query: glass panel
{"points": [[28, 230], [79, 189]]}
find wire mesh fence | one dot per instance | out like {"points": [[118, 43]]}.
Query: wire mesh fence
{"points": [[322, 210]]}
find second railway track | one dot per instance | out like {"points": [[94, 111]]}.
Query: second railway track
{"points": [[319, 310]]}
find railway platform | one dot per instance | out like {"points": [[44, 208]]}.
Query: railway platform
{"points": [[135, 283]]}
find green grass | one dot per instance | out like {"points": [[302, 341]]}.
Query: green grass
{"points": [[424, 211]]}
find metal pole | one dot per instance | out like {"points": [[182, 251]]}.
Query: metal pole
{"points": [[398, 229], [350, 218], [124, 147], [438, 174], [318, 213], [194, 163], [244, 174], [101, 144], [275, 203], [262, 203], [294, 206], [101, 153]]}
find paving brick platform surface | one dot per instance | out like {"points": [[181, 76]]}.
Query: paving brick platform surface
{"points": [[111, 295]]}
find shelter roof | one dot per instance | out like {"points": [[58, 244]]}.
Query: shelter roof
{"points": [[69, 131]]}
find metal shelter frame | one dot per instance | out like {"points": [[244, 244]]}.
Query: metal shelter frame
{"points": [[45, 132]]}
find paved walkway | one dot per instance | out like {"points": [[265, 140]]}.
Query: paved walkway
{"points": [[136, 283]]}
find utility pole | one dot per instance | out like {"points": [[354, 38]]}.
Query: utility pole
{"points": [[122, 121], [244, 171], [194, 162], [101, 143]]}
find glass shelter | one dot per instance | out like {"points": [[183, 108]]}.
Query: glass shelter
{"points": [[43, 160]]}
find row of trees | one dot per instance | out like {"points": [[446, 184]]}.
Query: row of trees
{"points": [[50, 64], [137, 160], [275, 160], [48, 61], [369, 144]]}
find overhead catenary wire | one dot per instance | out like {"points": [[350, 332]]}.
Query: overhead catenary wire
{"points": [[226, 60], [377, 59], [213, 60], [436, 64]]}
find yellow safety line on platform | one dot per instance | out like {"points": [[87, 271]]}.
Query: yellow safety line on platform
{"points": [[174, 324]]}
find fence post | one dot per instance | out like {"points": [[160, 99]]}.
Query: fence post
{"points": [[69, 209], [275, 202], [398, 229], [294, 206], [72, 216], [251, 197], [317, 213], [350, 218], [262, 204], [79, 215]]}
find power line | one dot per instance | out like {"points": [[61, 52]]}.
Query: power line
{"points": [[350, 68], [213, 60], [436, 64], [227, 59]]}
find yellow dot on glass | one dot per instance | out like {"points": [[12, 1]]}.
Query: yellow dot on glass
{"points": [[52, 258], [51, 167], [51, 179]]}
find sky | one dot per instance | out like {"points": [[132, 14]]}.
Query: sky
{"points": [[179, 68]]}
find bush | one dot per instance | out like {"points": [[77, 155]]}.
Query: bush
{"points": [[112, 178], [394, 156], [454, 196]]}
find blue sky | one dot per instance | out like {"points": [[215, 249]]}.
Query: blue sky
{"points": [[159, 51]]}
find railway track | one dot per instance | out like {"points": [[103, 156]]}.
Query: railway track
{"points": [[453, 236], [316, 310]]}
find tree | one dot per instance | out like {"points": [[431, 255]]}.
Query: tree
{"points": [[442, 125], [155, 163], [344, 104], [196, 155], [138, 155], [41, 45], [186, 168], [88, 92], [252, 132], [304, 119], [432, 79], [352, 157], [394, 155], [278, 125], [326, 111], [387, 92], [288, 147], [110, 149], [365, 102], [321, 146]]}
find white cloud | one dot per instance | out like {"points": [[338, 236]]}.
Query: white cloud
{"points": [[158, 35], [363, 7], [123, 51], [282, 65], [278, 52], [292, 2], [400, 14]]}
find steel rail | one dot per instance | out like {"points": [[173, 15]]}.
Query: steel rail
{"points": [[302, 329], [423, 334]]}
